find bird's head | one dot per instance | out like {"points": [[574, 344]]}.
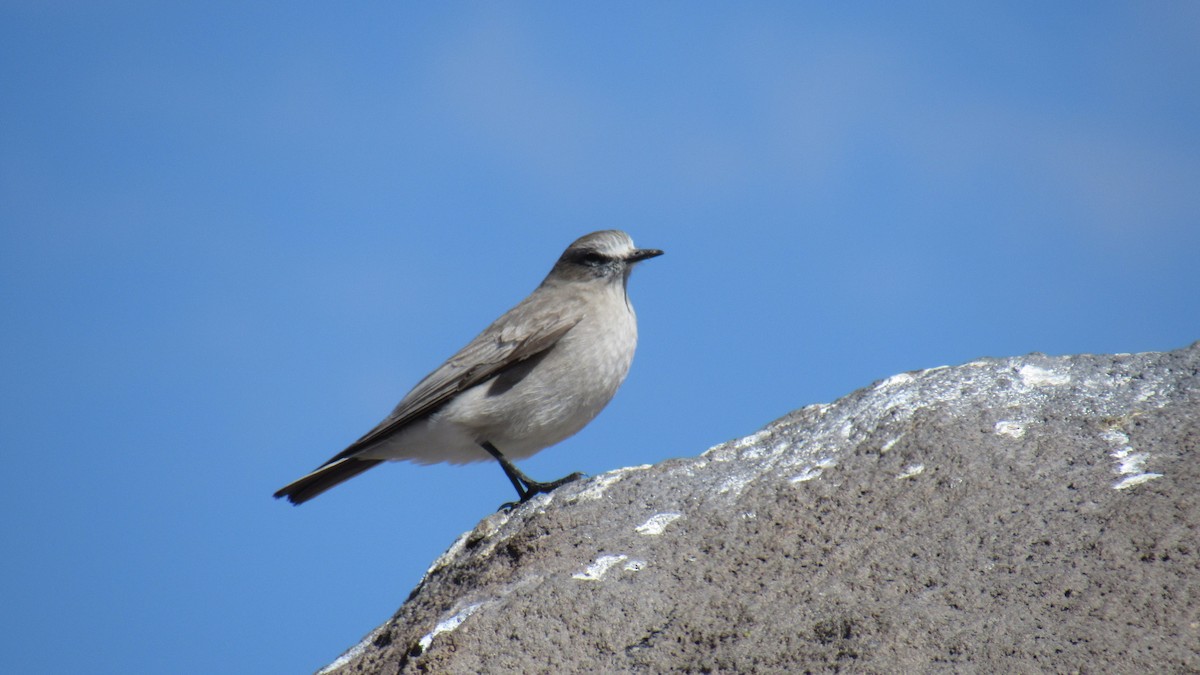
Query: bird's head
{"points": [[604, 255]]}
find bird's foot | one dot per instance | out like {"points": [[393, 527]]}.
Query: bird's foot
{"points": [[527, 488]]}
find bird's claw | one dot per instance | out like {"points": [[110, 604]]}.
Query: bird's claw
{"points": [[534, 487]]}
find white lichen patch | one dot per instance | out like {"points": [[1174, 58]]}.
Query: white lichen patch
{"points": [[601, 483], [449, 624], [1033, 376], [599, 568], [635, 566], [725, 452], [1130, 464], [895, 381], [657, 523], [911, 470], [354, 651], [762, 450], [1115, 436], [807, 474], [747, 447], [484, 532], [735, 484], [1135, 480], [813, 470], [1010, 428], [1153, 394], [752, 439], [450, 554], [690, 470], [755, 452], [890, 444]]}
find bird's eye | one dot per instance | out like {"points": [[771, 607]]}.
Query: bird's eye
{"points": [[594, 258]]}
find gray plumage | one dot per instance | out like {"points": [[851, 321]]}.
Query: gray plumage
{"points": [[534, 377]]}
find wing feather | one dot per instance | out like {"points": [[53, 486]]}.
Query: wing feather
{"points": [[489, 354]]}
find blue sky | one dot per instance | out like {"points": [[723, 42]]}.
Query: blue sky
{"points": [[232, 237]]}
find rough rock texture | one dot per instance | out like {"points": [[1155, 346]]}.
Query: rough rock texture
{"points": [[1032, 514]]}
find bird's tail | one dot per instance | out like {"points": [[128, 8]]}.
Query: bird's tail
{"points": [[337, 471]]}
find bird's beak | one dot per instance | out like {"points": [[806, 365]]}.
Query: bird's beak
{"points": [[641, 254]]}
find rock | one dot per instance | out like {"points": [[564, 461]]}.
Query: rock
{"points": [[1024, 514]]}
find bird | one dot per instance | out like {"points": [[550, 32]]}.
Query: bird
{"points": [[534, 377]]}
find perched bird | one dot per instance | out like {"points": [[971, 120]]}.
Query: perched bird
{"points": [[534, 377]]}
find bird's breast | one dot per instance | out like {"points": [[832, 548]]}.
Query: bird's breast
{"points": [[553, 395]]}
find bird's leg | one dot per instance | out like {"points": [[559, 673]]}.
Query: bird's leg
{"points": [[518, 479], [526, 486]]}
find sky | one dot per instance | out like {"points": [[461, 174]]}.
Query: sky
{"points": [[233, 235]]}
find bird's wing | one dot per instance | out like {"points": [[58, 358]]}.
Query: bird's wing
{"points": [[491, 352]]}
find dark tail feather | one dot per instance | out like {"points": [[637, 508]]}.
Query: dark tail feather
{"points": [[304, 489]]}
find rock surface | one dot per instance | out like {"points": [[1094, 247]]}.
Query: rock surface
{"points": [[1006, 515]]}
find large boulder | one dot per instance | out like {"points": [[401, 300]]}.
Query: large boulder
{"points": [[1023, 514]]}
